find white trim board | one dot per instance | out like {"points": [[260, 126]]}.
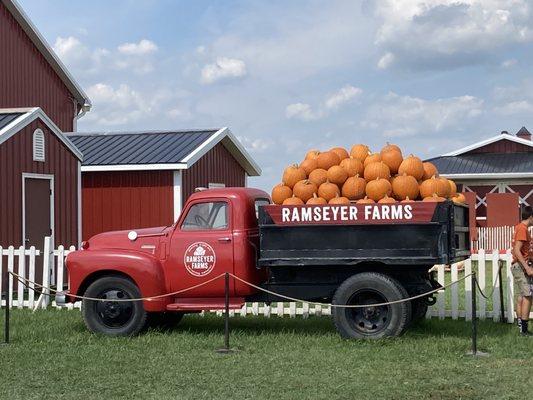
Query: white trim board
{"points": [[44, 48], [28, 117], [503, 136], [26, 175], [132, 167], [177, 198], [510, 175]]}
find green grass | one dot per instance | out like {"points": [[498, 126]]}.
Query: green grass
{"points": [[52, 356]]}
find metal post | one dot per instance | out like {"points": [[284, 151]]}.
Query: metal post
{"points": [[226, 349], [6, 321], [474, 314], [502, 301]]}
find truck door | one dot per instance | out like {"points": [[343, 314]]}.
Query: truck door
{"points": [[202, 248]]}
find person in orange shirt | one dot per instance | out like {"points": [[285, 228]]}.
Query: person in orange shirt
{"points": [[522, 271]]}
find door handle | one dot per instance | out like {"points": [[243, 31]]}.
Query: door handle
{"points": [[224, 240]]}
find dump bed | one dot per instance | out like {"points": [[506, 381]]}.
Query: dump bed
{"points": [[403, 234]]}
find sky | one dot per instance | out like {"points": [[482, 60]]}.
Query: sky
{"points": [[288, 76]]}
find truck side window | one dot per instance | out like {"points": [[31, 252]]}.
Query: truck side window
{"points": [[206, 216], [259, 203]]}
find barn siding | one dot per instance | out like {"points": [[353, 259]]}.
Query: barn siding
{"points": [[27, 79], [216, 166], [120, 200], [502, 146], [16, 157]]}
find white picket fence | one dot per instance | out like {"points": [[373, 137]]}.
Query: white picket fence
{"points": [[452, 303], [494, 238]]}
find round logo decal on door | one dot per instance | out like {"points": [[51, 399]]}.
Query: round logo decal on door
{"points": [[199, 259]]}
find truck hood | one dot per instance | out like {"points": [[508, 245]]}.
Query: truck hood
{"points": [[148, 240]]}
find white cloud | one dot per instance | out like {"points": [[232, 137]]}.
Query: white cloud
{"points": [[344, 95], [400, 116], [256, 145], [222, 68], [514, 100], [136, 57], [450, 33], [145, 46], [304, 111], [386, 61], [509, 63]]}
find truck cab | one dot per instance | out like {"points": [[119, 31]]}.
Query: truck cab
{"points": [[355, 255]]}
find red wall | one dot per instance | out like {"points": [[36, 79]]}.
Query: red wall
{"points": [[26, 78], [16, 157], [217, 166], [126, 200], [502, 209], [502, 146]]}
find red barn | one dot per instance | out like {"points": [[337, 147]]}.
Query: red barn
{"points": [[39, 168], [501, 164], [141, 179]]}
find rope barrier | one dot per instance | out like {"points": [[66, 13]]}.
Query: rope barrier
{"points": [[21, 279], [349, 305], [488, 297], [149, 298]]}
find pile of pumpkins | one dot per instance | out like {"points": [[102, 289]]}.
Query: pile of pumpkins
{"points": [[338, 177]]}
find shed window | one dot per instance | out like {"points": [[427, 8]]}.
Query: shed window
{"points": [[38, 145]]}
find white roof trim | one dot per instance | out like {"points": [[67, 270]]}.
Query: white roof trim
{"points": [[30, 115], [504, 175], [132, 167], [503, 136], [40, 42]]}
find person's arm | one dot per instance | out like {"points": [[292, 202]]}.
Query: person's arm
{"points": [[518, 255]]}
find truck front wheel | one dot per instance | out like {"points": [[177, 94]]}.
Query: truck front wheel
{"points": [[113, 318], [371, 322]]}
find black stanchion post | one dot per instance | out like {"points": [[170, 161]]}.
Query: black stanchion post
{"points": [[474, 314], [502, 304], [226, 349], [6, 320]]}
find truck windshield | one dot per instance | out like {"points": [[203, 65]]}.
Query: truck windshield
{"points": [[206, 216]]}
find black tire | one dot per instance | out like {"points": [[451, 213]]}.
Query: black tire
{"points": [[113, 318], [370, 322]]}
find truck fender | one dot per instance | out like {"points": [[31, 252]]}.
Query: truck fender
{"points": [[85, 266]]}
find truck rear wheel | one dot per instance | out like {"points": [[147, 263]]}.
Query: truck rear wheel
{"points": [[370, 322], [113, 318]]}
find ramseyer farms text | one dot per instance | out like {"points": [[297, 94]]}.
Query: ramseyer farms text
{"points": [[347, 213]]}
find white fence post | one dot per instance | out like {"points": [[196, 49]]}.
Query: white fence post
{"points": [[22, 275], [46, 272], [441, 295], [510, 287], [31, 278], [481, 301], [455, 292], [468, 290], [495, 286]]}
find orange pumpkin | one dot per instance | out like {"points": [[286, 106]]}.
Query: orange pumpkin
{"points": [[315, 200], [374, 157], [389, 147], [328, 190], [407, 200], [341, 152], [318, 176], [293, 174], [378, 188], [443, 187], [354, 188], [393, 159], [309, 165], [376, 170], [412, 166], [293, 201], [453, 188], [387, 200], [360, 151], [404, 186], [337, 175], [434, 198], [327, 160], [304, 190], [281, 192], [352, 166], [429, 170], [366, 200], [312, 155], [429, 187], [459, 198], [339, 200]]}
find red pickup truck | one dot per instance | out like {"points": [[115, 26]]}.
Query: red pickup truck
{"points": [[344, 254]]}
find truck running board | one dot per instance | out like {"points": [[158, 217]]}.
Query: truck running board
{"points": [[205, 304]]}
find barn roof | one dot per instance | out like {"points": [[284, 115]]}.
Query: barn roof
{"points": [[485, 165], [141, 150], [12, 120], [42, 45], [497, 138]]}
